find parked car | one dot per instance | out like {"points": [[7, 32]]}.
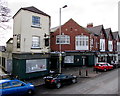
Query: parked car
{"points": [[115, 64], [15, 88], [58, 80], [103, 66]]}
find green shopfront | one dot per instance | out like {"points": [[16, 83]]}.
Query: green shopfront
{"points": [[80, 59], [30, 65]]}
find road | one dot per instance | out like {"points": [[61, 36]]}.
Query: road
{"points": [[106, 83]]}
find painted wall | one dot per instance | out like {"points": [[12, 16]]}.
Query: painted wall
{"points": [[23, 26]]}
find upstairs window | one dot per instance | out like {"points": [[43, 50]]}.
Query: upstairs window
{"points": [[35, 42], [102, 44], [62, 39], [36, 21]]}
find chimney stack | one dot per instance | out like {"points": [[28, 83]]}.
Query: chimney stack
{"points": [[89, 25]]}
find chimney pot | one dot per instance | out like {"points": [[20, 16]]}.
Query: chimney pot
{"points": [[89, 25]]}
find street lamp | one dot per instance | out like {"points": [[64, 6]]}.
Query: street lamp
{"points": [[60, 54]]}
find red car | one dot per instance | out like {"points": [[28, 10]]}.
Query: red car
{"points": [[103, 66]]}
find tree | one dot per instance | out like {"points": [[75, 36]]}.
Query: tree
{"points": [[4, 14]]}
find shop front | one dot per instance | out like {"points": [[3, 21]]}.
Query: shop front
{"points": [[79, 59], [29, 65]]}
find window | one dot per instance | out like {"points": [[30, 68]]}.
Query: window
{"points": [[16, 83], [6, 85], [102, 44], [82, 42], [36, 21], [36, 65], [62, 39], [69, 59], [110, 45], [35, 42]]}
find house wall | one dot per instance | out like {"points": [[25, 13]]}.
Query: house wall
{"points": [[23, 26], [72, 29]]}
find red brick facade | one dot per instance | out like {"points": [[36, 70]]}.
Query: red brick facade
{"points": [[72, 29]]}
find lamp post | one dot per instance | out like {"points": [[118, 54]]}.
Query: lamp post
{"points": [[60, 48]]}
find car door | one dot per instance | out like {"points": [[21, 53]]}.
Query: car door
{"points": [[20, 86], [109, 66], [63, 79], [7, 89]]}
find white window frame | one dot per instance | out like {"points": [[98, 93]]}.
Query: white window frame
{"points": [[102, 44], [35, 42], [82, 42], [36, 21], [62, 39], [110, 45]]}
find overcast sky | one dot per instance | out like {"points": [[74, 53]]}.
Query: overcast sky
{"points": [[83, 12]]}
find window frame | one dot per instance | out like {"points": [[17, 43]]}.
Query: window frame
{"points": [[62, 39], [35, 21], [35, 42]]}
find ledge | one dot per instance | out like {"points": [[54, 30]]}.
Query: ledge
{"points": [[36, 27]]}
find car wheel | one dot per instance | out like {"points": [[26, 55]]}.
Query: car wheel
{"points": [[29, 92], [105, 69], [74, 80], [58, 85]]}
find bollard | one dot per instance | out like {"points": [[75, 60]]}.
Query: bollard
{"points": [[86, 72], [96, 71], [80, 72]]}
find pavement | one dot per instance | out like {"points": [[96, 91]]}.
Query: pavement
{"points": [[80, 72]]}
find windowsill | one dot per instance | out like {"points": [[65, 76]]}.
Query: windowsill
{"points": [[36, 48], [36, 26]]}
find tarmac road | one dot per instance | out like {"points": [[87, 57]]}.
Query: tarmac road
{"points": [[106, 83]]}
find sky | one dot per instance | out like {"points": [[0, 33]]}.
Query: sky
{"points": [[98, 12]]}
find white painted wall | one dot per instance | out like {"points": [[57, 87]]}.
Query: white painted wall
{"points": [[22, 25]]}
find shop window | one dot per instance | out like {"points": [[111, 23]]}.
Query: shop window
{"points": [[69, 59]]}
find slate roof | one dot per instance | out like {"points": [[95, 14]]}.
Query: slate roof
{"points": [[108, 31], [54, 29], [95, 30], [115, 35], [32, 9]]}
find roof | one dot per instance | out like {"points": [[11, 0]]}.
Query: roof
{"points": [[32, 9], [115, 35], [10, 41], [2, 81], [108, 31], [95, 30], [54, 29]]}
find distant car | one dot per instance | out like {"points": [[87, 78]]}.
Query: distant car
{"points": [[103, 66], [58, 80], [115, 64], [15, 88]]}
